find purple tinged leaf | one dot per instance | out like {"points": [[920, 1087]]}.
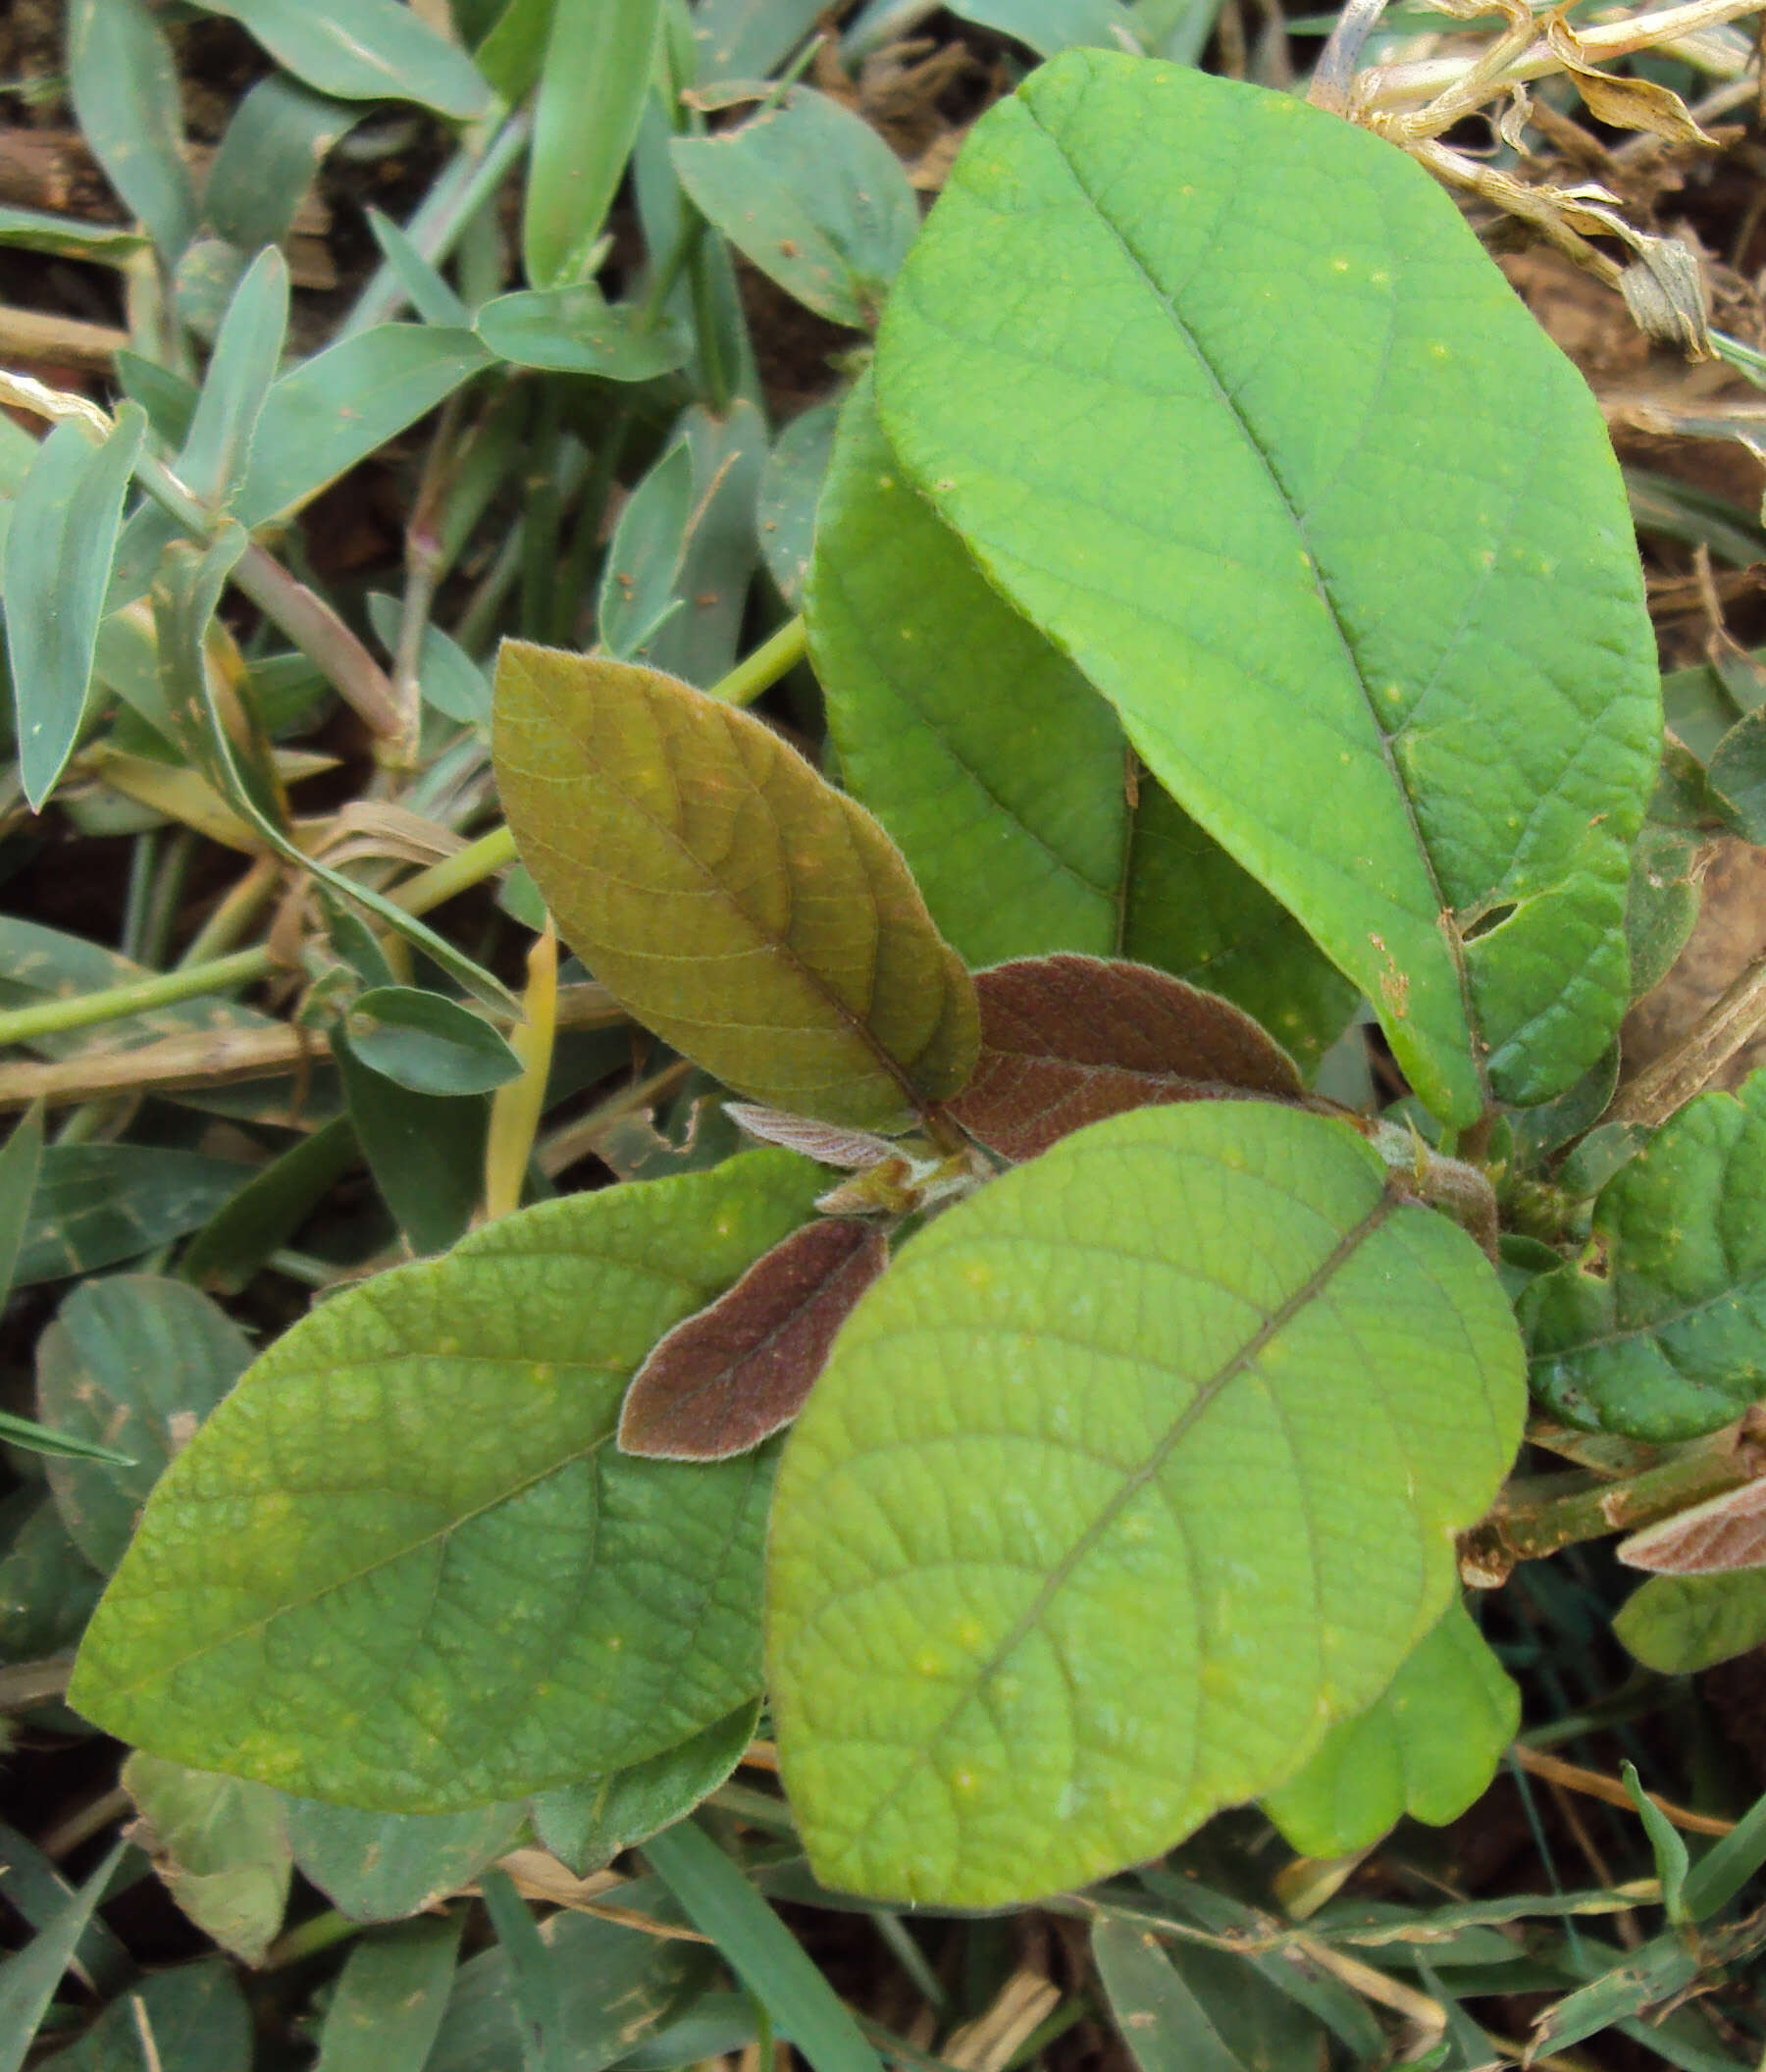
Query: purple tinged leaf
{"points": [[851, 1150], [1068, 1040], [725, 1379]]}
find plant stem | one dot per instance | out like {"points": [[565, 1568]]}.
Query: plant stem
{"points": [[1335, 69], [776, 656], [1526, 1527], [24, 1684], [1726, 1028], [321, 1933], [450, 206], [239, 907]]}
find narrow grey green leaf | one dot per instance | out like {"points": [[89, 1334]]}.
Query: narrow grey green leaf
{"points": [[591, 91], [247, 351], [364, 50], [125, 90], [54, 570], [391, 1997]]}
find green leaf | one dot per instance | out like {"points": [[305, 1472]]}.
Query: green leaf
{"points": [[434, 1582], [720, 549], [447, 675], [68, 236], [217, 453], [1428, 1747], [38, 1438], [275, 142], [638, 587], [593, 86], [54, 570], [1727, 1866], [575, 329], [46, 1589], [515, 47], [135, 1363], [427, 291], [219, 1847], [744, 40], [426, 1151], [125, 91], [790, 484], [37, 1892], [1335, 564], [1135, 1471], [386, 1866], [20, 1164], [1194, 2009], [195, 2013], [1666, 1843], [755, 918], [388, 2007], [587, 1824], [534, 1984], [1659, 1330], [29, 1977], [812, 195], [364, 50], [616, 1986], [1006, 780], [1051, 25], [428, 1043], [337, 407], [98, 1204], [1682, 1623], [229, 1250], [759, 1949]]}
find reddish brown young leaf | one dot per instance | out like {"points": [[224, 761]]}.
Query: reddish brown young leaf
{"points": [[851, 1150], [1069, 1040], [1727, 1532], [725, 1379]]}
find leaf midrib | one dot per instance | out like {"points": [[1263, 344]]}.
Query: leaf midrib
{"points": [[1250, 439], [1132, 1483], [778, 945]]}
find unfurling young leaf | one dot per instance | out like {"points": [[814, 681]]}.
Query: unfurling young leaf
{"points": [[1308, 619], [1068, 1550], [1660, 1332], [1724, 1533], [1428, 1747], [439, 1584], [728, 1379], [733, 902], [1069, 1040]]}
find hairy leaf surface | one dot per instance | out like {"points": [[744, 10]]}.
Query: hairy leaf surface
{"points": [[1136, 1471], [1302, 487], [1005, 777], [727, 1380], [1069, 1040], [1724, 1533], [404, 1568], [1428, 1747], [732, 901], [1659, 1331]]}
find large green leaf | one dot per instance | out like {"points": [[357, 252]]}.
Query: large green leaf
{"points": [[1302, 487], [1007, 779], [403, 1567], [1135, 1471], [1659, 1330], [1428, 1747], [735, 903]]}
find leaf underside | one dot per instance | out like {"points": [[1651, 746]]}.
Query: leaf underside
{"points": [[756, 920], [1136, 1470], [403, 1567], [1069, 1040], [1295, 480]]}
